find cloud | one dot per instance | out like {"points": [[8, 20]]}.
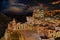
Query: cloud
{"points": [[15, 9], [55, 10], [56, 2]]}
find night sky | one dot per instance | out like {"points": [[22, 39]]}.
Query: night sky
{"points": [[5, 4]]}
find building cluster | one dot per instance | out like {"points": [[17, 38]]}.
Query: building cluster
{"points": [[46, 27]]}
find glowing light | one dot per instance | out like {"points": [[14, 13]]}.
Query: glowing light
{"points": [[56, 2]]}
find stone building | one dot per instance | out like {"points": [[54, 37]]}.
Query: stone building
{"points": [[36, 24], [51, 33], [58, 34]]}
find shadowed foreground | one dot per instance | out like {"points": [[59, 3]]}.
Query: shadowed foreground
{"points": [[3, 24]]}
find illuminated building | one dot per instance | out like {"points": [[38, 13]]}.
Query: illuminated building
{"points": [[51, 33], [58, 34], [38, 23]]}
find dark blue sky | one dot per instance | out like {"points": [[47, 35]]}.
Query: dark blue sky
{"points": [[29, 2], [5, 4]]}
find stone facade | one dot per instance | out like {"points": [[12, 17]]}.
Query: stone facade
{"points": [[36, 24]]}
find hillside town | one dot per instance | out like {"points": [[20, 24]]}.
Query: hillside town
{"points": [[17, 24], [39, 26]]}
